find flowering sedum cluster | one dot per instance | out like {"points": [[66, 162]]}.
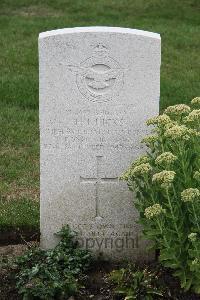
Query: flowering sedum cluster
{"points": [[167, 185], [166, 158], [126, 175], [153, 211], [150, 139], [159, 120], [190, 195], [196, 101], [177, 132], [177, 110], [192, 236], [193, 116], [141, 160], [139, 167], [141, 170], [164, 178]]}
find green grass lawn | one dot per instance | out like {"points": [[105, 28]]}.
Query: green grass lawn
{"points": [[177, 21]]}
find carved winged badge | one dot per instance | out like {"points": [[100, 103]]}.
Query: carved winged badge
{"points": [[99, 78]]}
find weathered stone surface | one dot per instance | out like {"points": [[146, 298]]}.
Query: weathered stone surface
{"points": [[98, 85]]}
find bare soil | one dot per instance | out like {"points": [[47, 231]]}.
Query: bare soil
{"points": [[18, 236]]}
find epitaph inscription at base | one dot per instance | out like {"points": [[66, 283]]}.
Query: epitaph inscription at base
{"points": [[98, 86]]}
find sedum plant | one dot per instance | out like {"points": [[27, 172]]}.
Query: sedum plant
{"points": [[167, 185]]}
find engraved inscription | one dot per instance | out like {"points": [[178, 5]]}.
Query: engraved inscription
{"points": [[98, 180], [96, 130], [80, 138], [120, 237]]}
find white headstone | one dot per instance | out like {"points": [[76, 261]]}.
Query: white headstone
{"points": [[98, 85]]}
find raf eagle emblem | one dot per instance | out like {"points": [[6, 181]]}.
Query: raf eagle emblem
{"points": [[99, 78]]}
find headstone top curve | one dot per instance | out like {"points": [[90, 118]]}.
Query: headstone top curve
{"points": [[101, 29]]}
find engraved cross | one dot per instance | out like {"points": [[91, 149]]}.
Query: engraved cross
{"points": [[97, 181]]}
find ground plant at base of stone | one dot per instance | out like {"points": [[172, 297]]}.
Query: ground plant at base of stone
{"points": [[52, 274], [133, 283], [168, 195]]}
